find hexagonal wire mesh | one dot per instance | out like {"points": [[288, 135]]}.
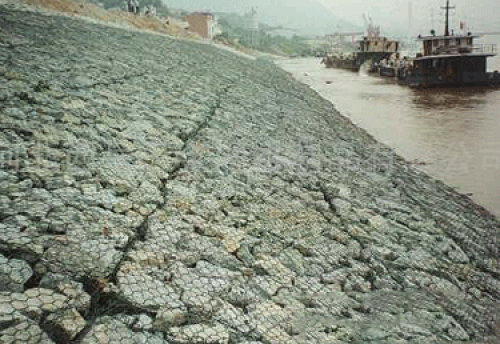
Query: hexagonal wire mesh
{"points": [[212, 200]]}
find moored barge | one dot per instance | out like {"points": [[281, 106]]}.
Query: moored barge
{"points": [[372, 47], [450, 61]]}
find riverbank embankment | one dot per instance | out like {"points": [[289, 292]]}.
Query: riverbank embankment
{"points": [[451, 134], [160, 191]]}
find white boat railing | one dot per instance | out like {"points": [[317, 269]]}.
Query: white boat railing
{"points": [[476, 48], [485, 48]]}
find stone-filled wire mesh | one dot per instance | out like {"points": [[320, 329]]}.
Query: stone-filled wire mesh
{"points": [[161, 191]]}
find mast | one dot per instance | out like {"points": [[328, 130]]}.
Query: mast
{"points": [[410, 14], [447, 8], [432, 18]]}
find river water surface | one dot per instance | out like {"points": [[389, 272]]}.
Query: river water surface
{"points": [[455, 133]]}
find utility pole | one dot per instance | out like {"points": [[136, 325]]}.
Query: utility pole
{"points": [[410, 15], [432, 18], [447, 8]]}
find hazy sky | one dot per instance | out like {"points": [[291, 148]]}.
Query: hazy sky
{"points": [[327, 16], [479, 15]]}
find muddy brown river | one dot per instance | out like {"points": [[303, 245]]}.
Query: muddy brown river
{"points": [[452, 134]]}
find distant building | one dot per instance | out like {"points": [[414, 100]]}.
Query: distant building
{"points": [[252, 27], [203, 23]]}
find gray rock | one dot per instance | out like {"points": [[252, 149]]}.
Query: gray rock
{"points": [[144, 291], [198, 334], [146, 193], [65, 324], [409, 331], [268, 285], [143, 323], [112, 331], [269, 320], [12, 238], [375, 334], [24, 332], [168, 317], [118, 173], [14, 273], [293, 260], [203, 280], [233, 318], [201, 306], [77, 297], [341, 207], [93, 258], [337, 277], [243, 296], [274, 268], [386, 283], [40, 298]]}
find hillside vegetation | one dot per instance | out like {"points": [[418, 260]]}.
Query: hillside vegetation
{"points": [[120, 17]]}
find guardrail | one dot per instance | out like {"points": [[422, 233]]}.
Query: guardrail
{"points": [[476, 48], [485, 48]]}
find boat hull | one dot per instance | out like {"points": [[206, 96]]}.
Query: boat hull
{"points": [[352, 65], [463, 80], [355, 62], [389, 72]]}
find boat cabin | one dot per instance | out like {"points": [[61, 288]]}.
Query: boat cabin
{"points": [[378, 45], [452, 56], [450, 60], [447, 44]]}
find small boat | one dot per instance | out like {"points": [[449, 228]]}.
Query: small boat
{"points": [[392, 67], [349, 62], [450, 61], [387, 71], [389, 67], [371, 47]]}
